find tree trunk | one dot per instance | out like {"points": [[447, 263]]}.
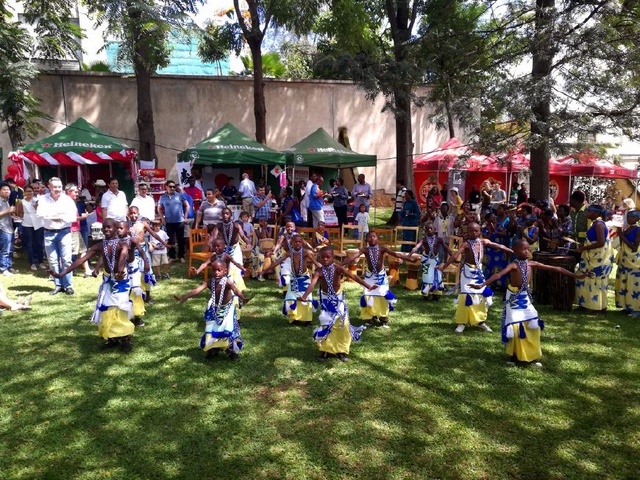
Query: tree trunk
{"points": [[541, 107], [404, 139], [16, 136], [259, 103], [146, 129]]}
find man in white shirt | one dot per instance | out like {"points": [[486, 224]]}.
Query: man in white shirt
{"points": [[145, 202], [58, 212], [304, 205], [400, 191], [114, 202], [247, 190], [362, 194]]}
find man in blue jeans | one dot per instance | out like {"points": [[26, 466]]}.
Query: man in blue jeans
{"points": [[6, 231], [58, 212], [174, 209]]}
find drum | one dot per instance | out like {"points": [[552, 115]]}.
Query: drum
{"points": [[394, 272], [413, 272], [266, 244], [353, 267], [553, 288]]}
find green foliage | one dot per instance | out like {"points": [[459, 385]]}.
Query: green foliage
{"points": [[415, 402], [97, 66], [218, 41], [272, 65]]}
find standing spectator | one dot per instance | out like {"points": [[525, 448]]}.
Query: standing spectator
{"points": [[262, 204], [523, 196], [444, 192], [195, 193], [287, 205], [32, 231], [100, 187], [17, 193], [434, 199], [78, 243], [6, 231], [409, 217], [173, 212], [230, 192], [58, 212], [400, 191], [456, 200], [485, 192], [475, 198], [340, 196], [190, 217], [579, 220], [316, 201], [144, 202], [361, 193], [247, 190], [498, 196], [304, 204], [210, 212], [114, 202]]}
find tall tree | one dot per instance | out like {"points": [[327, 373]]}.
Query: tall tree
{"points": [[55, 38], [373, 43], [143, 26], [583, 80], [251, 26]]}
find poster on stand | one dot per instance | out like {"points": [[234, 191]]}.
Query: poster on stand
{"points": [[330, 218]]}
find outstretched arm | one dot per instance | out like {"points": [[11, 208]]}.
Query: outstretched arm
{"points": [[236, 290], [312, 284], [228, 258], [204, 265], [488, 243], [401, 256], [276, 263], [150, 231], [353, 257], [553, 268], [311, 257], [495, 276], [191, 293], [355, 278], [454, 257], [79, 261]]}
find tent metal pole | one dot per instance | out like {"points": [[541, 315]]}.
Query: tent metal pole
{"points": [[375, 184]]}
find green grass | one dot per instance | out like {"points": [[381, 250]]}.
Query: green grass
{"points": [[414, 402]]}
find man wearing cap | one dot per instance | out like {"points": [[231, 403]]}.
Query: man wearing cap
{"points": [[58, 212], [114, 202], [144, 202], [247, 190]]}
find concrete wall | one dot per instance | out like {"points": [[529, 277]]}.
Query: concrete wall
{"points": [[187, 109]]}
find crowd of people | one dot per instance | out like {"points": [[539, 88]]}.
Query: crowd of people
{"points": [[141, 237]]}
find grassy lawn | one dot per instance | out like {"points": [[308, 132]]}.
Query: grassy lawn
{"points": [[415, 402]]}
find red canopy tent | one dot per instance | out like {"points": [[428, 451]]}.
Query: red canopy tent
{"points": [[588, 165]]}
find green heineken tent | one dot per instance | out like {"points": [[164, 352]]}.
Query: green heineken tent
{"points": [[229, 146], [320, 150], [78, 144]]}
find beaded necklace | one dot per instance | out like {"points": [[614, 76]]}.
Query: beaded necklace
{"points": [[227, 232], [523, 266], [301, 264], [374, 256], [223, 285], [476, 248], [110, 259], [329, 273], [431, 241]]}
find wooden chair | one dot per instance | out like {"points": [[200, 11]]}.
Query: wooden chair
{"points": [[411, 282], [451, 274], [198, 239], [349, 244], [335, 234], [386, 237]]}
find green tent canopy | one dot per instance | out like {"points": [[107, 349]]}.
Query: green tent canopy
{"points": [[80, 143], [320, 150], [229, 146]]}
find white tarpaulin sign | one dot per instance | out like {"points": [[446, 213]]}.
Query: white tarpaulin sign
{"points": [[330, 218]]}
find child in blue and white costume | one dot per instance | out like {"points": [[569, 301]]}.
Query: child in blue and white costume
{"points": [[335, 333], [375, 304], [521, 324], [296, 310], [222, 330], [472, 304], [432, 246]]}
